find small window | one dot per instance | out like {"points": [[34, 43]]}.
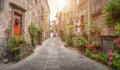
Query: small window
{"points": [[1, 5]]}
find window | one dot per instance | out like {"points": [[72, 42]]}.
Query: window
{"points": [[1, 5]]}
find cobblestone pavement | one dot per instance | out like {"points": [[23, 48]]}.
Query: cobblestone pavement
{"points": [[52, 55]]}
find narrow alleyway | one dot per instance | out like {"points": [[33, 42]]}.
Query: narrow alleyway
{"points": [[52, 55]]}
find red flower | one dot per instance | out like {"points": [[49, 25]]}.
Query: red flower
{"points": [[115, 40], [90, 47]]}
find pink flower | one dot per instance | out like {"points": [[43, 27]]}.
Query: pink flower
{"points": [[110, 63], [110, 51], [110, 54], [110, 58], [119, 45], [115, 40]]}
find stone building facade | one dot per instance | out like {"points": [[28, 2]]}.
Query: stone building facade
{"points": [[61, 25], [97, 15], [66, 18], [24, 12], [92, 11], [80, 13], [46, 18], [105, 37]]}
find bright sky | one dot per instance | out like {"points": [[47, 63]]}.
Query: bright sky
{"points": [[55, 6]]}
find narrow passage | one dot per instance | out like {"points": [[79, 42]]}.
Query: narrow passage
{"points": [[52, 55]]}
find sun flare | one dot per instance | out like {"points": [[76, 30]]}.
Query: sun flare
{"points": [[63, 4], [56, 6]]}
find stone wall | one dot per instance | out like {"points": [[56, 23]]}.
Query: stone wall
{"points": [[97, 15]]}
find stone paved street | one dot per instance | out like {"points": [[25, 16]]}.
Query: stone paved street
{"points": [[52, 55]]}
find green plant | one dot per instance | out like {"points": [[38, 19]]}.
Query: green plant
{"points": [[104, 58], [14, 44], [87, 52], [117, 29], [36, 33], [81, 43], [112, 10], [116, 60], [98, 56], [69, 40], [92, 55], [33, 32], [40, 35], [17, 58]]}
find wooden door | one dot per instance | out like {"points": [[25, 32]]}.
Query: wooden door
{"points": [[17, 23]]}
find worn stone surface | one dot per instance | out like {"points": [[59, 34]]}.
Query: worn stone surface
{"points": [[52, 55]]}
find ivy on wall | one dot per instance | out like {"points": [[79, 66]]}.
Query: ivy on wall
{"points": [[36, 33], [112, 15], [112, 12]]}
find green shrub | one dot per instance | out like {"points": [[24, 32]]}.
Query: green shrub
{"points": [[116, 60], [87, 52], [40, 35], [97, 56], [14, 45], [36, 33], [69, 40], [104, 58], [81, 43], [33, 32]]}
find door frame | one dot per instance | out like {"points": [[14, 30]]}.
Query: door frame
{"points": [[17, 9], [20, 16]]}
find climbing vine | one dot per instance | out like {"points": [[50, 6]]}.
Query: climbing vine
{"points": [[36, 33], [33, 32], [112, 12]]}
